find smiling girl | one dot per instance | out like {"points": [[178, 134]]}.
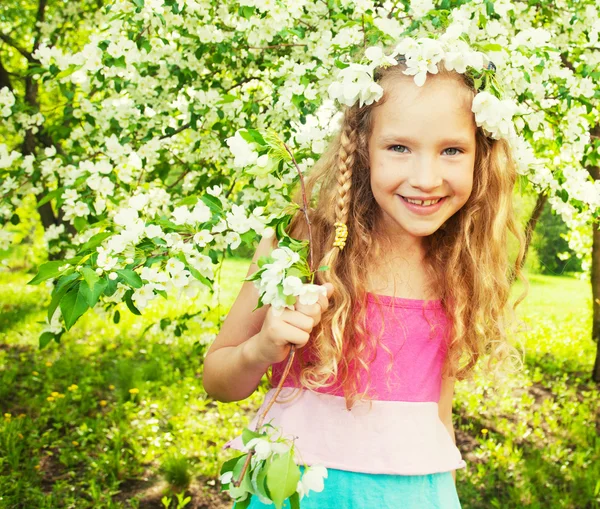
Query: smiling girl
{"points": [[420, 199]]}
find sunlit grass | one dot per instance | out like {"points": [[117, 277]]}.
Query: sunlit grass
{"points": [[116, 413]]}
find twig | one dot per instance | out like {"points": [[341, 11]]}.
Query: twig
{"points": [[288, 366], [276, 46]]}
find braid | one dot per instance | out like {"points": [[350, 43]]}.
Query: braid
{"points": [[346, 157]]}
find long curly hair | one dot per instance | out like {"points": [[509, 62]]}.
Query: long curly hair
{"points": [[466, 260]]}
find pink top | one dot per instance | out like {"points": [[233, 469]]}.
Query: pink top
{"points": [[399, 430], [415, 338]]}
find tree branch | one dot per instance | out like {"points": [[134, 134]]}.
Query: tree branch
{"points": [[8, 40]]}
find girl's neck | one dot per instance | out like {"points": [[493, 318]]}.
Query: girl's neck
{"points": [[399, 274]]}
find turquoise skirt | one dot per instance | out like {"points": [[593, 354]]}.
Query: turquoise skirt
{"points": [[355, 490]]}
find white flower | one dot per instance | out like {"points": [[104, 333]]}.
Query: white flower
{"points": [[200, 213], [202, 238], [355, 82], [284, 257], [292, 285], [181, 215], [174, 266], [379, 58], [181, 279], [494, 115], [226, 478], [242, 151], [81, 209], [312, 480], [233, 239], [262, 448], [215, 190], [139, 201], [310, 293], [421, 7], [153, 230], [126, 217], [143, 295]]}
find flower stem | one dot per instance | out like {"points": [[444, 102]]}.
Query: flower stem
{"points": [[290, 360]]}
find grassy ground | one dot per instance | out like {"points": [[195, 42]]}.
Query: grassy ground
{"points": [[115, 416]]}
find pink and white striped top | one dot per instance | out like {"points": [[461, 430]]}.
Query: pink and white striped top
{"points": [[399, 430]]}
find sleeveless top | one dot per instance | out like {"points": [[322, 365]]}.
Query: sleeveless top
{"points": [[397, 431]]}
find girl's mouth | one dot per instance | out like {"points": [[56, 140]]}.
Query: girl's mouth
{"points": [[423, 207]]}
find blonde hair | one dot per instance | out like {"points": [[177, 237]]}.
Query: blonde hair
{"points": [[466, 260]]}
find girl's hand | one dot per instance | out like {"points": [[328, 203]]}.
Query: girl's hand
{"points": [[278, 333]]}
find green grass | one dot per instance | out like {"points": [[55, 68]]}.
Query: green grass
{"points": [[115, 417]]}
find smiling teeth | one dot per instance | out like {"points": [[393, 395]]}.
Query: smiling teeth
{"points": [[419, 202]]}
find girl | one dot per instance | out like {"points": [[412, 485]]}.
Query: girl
{"points": [[421, 282]]}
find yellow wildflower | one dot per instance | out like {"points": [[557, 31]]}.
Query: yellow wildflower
{"points": [[75, 442], [48, 363], [35, 373], [7, 415], [55, 394], [61, 395], [102, 402], [111, 387], [37, 467], [134, 391], [484, 431], [50, 398], [73, 387]]}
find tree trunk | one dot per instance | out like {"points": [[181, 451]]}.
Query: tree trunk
{"points": [[595, 276], [532, 222]]}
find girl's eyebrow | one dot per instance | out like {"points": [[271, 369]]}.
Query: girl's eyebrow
{"points": [[390, 138]]}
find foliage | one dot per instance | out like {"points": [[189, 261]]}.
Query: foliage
{"points": [[117, 127], [550, 243], [530, 441]]}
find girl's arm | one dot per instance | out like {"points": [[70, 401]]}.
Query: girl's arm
{"points": [[445, 409], [232, 367]]}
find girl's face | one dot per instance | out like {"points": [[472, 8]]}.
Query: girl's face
{"points": [[422, 147]]}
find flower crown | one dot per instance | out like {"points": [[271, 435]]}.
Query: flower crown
{"points": [[358, 81]]}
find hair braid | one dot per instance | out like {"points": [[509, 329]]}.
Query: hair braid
{"points": [[346, 157]]}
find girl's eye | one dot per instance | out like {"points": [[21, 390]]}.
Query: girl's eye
{"points": [[456, 151], [400, 149]]}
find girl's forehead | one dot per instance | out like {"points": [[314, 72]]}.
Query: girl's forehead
{"points": [[440, 102]]}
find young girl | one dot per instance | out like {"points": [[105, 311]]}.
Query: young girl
{"points": [[420, 283]]}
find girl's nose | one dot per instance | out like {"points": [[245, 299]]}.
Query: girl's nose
{"points": [[426, 174]]}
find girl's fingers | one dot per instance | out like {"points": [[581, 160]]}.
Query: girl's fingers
{"points": [[303, 321], [313, 310]]}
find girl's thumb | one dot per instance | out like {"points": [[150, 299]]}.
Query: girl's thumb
{"points": [[329, 287]]}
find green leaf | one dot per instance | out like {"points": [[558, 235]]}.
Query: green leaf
{"points": [[45, 338], [46, 271], [92, 292], [295, 501], [244, 504], [50, 196], [73, 305], [94, 242], [230, 464], [324, 267], [282, 478], [248, 435], [130, 304], [117, 316], [491, 47], [68, 71], [194, 272], [131, 277], [63, 285], [213, 203], [90, 276]]}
